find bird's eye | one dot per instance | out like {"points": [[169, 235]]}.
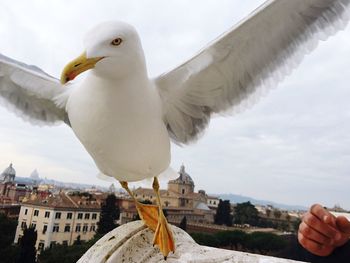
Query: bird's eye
{"points": [[116, 42]]}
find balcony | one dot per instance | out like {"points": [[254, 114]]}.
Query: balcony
{"points": [[132, 242]]}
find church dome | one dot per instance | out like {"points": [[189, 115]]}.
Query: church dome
{"points": [[8, 175], [184, 177]]}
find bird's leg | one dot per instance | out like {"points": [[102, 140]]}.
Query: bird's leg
{"points": [[163, 236], [147, 213]]}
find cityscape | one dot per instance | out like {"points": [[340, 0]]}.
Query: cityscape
{"points": [[62, 213]]}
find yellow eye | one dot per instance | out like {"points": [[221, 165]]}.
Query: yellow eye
{"points": [[117, 41]]}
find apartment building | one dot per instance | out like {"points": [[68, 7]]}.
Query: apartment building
{"points": [[60, 218]]}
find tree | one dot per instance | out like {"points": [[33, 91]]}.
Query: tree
{"points": [[223, 213], [231, 238], [183, 223], [277, 213], [8, 250], [246, 213], [66, 254], [109, 214], [27, 245], [78, 241], [268, 212], [265, 242]]}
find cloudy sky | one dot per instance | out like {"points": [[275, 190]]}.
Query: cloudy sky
{"points": [[292, 146]]}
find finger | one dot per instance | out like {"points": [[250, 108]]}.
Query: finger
{"points": [[325, 229], [314, 247], [321, 213], [314, 235], [343, 224]]}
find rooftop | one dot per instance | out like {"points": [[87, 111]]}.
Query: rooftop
{"points": [[65, 200]]}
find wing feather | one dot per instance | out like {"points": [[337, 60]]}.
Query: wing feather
{"points": [[237, 68], [31, 94]]}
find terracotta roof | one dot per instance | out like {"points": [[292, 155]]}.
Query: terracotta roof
{"points": [[66, 200]]}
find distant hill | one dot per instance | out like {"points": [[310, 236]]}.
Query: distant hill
{"points": [[37, 180], [241, 199]]}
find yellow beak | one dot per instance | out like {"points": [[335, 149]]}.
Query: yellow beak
{"points": [[77, 66]]}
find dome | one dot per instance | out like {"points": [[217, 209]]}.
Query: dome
{"points": [[184, 177], [202, 206], [8, 175]]}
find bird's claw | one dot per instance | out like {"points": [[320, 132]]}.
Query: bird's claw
{"points": [[163, 237]]}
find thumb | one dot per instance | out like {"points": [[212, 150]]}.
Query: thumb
{"points": [[343, 224]]}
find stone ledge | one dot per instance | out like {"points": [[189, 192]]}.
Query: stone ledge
{"points": [[132, 243]]}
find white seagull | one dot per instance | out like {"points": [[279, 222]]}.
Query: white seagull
{"points": [[126, 120]]}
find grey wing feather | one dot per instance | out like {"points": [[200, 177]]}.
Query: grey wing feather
{"points": [[31, 93], [235, 69]]}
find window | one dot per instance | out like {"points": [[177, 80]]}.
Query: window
{"points": [[47, 214], [94, 216], [92, 228], [56, 228], [44, 229], [65, 242], [36, 212], [24, 225], [26, 211], [67, 228], [80, 215], [41, 245], [33, 225], [77, 228], [183, 191], [85, 228], [58, 215], [87, 216], [69, 216]]}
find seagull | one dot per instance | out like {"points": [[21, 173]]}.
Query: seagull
{"points": [[126, 120]]}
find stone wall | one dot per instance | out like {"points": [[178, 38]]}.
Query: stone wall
{"points": [[132, 243]]}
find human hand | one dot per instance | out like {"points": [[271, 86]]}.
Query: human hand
{"points": [[320, 232]]}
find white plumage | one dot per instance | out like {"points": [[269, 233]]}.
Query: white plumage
{"points": [[125, 120]]}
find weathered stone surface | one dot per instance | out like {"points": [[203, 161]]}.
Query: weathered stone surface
{"points": [[132, 242]]}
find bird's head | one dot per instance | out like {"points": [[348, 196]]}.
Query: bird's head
{"points": [[112, 49]]}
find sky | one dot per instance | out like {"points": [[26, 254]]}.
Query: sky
{"points": [[292, 146]]}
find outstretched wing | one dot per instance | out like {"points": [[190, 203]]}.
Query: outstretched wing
{"points": [[31, 93], [236, 68]]}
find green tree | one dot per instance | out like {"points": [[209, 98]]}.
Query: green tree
{"points": [[231, 239], [223, 213], [78, 241], [183, 223], [206, 239], [8, 250], [268, 212], [27, 245], [277, 213], [264, 242], [246, 213], [66, 254], [109, 214]]}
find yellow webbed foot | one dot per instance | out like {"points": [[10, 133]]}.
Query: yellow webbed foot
{"points": [[163, 237], [149, 214]]}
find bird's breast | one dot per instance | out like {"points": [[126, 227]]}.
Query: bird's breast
{"points": [[121, 128]]}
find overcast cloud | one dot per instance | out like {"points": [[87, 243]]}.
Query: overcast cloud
{"points": [[292, 146]]}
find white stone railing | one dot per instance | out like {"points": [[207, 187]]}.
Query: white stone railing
{"points": [[132, 242]]}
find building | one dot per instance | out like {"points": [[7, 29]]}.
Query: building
{"points": [[10, 191], [60, 218], [213, 202], [180, 200]]}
